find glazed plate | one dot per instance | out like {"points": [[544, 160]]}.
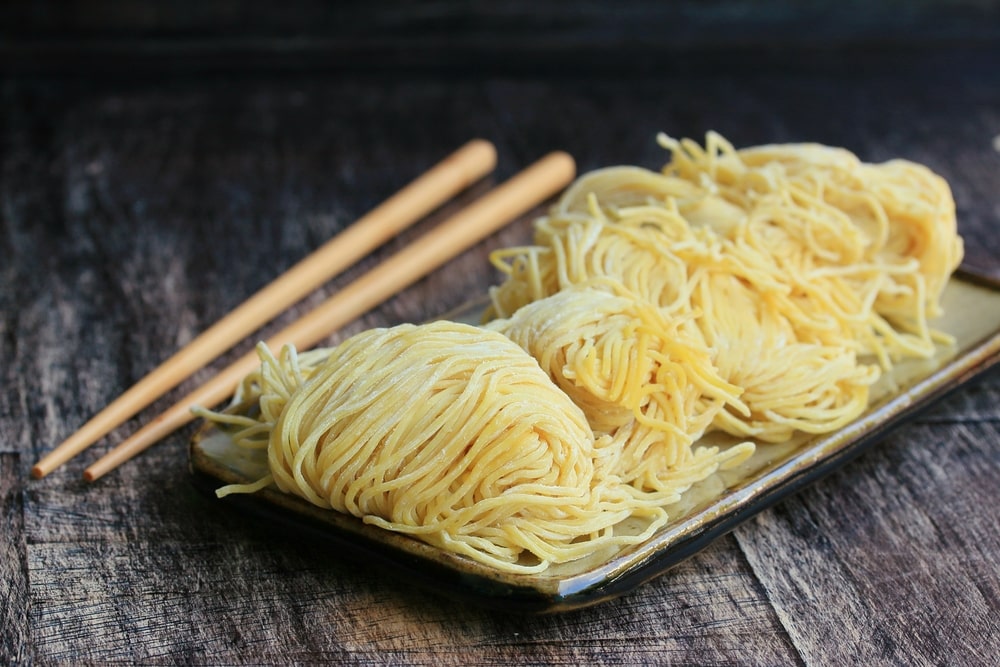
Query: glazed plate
{"points": [[707, 511]]}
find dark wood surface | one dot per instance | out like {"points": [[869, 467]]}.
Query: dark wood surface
{"points": [[135, 212], [524, 36]]}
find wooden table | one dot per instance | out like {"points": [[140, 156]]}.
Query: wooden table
{"points": [[136, 212]]}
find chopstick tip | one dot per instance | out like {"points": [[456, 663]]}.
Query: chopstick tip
{"points": [[562, 163], [484, 145], [479, 156]]}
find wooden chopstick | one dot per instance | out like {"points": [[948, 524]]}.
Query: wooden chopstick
{"points": [[470, 225], [426, 193]]}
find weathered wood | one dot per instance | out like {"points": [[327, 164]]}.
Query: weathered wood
{"points": [[15, 602], [912, 522], [287, 601], [134, 215]]}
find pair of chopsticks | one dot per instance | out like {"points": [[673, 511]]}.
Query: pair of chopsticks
{"points": [[459, 232]]}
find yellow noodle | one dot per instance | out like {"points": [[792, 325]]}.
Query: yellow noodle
{"points": [[758, 292], [805, 270], [622, 361], [454, 435], [902, 211]]}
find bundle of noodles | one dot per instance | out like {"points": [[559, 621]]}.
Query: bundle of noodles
{"points": [[797, 263], [788, 383], [446, 432], [627, 365], [736, 296], [886, 231]]}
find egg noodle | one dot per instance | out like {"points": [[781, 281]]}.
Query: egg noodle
{"points": [[806, 271], [754, 292], [447, 432]]}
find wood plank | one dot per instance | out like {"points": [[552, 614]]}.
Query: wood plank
{"points": [[893, 558], [248, 597], [15, 602], [977, 402]]}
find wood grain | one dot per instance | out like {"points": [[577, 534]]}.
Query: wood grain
{"points": [[844, 566], [14, 598], [134, 214]]}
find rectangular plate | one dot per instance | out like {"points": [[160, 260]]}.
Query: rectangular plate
{"points": [[709, 510]]}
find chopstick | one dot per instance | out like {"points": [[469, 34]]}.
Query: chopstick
{"points": [[461, 231], [426, 193]]}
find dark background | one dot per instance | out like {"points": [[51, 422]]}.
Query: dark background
{"points": [[516, 37]]}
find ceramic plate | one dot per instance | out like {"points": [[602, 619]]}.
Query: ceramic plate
{"points": [[708, 510]]}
